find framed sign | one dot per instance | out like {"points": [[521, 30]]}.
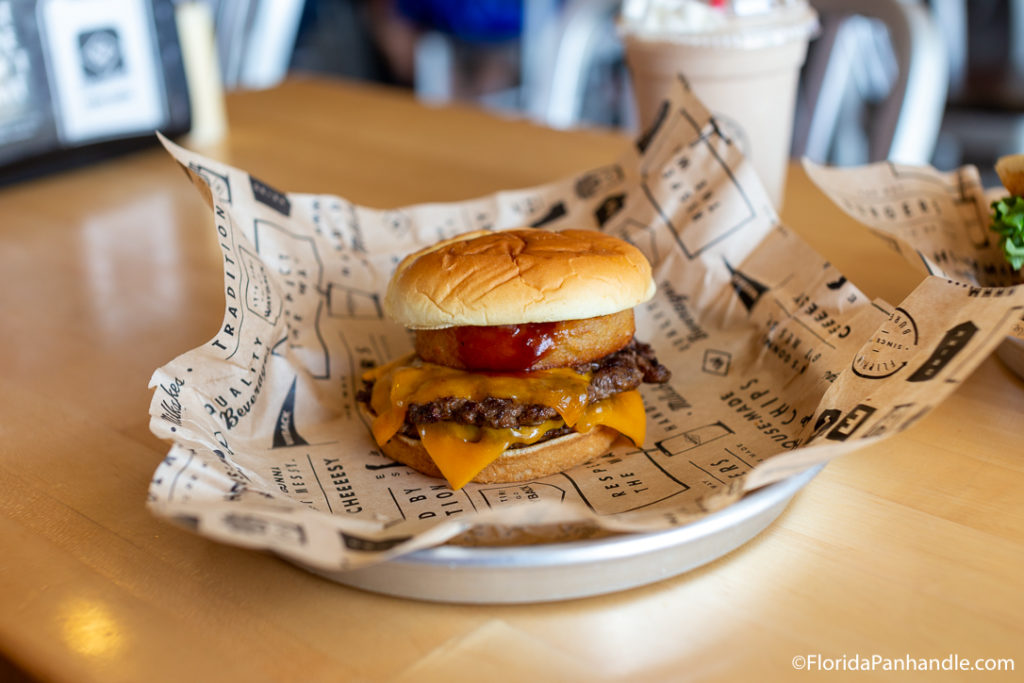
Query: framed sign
{"points": [[84, 78]]}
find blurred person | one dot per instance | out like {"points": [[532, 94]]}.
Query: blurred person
{"points": [[481, 37], [378, 40]]}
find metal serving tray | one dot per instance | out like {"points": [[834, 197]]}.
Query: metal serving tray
{"points": [[560, 571]]}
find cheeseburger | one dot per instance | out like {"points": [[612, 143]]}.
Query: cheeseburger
{"points": [[525, 363]]}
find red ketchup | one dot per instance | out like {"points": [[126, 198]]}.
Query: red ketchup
{"points": [[505, 348]]}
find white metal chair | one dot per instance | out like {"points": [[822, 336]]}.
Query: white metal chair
{"points": [[838, 78], [255, 40], [582, 33]]}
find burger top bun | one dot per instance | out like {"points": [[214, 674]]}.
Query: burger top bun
{"points": [[1011, 173], [517, 276]]}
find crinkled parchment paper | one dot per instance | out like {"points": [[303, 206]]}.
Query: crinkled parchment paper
{"points": [[779, 362]]}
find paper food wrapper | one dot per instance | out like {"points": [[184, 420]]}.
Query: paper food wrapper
{"points": [[778, 361]]}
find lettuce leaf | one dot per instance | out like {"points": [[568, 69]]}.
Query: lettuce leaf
{"points": [[1008, 221]]}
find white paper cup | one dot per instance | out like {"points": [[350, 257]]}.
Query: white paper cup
{"points": [[747, 80]]}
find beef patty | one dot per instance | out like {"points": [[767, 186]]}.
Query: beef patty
{"points": [[623, 370]]}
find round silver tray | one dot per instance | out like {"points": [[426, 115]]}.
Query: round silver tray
{"points": [[560, 571]]}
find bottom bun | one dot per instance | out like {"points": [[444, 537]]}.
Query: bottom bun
{"points": [[515, 464]]}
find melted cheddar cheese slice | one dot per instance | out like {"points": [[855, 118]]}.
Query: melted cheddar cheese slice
{"points": [[462, 451], [408, 381]]}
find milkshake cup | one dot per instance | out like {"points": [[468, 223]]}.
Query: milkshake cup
{"points": [[741, 58]]}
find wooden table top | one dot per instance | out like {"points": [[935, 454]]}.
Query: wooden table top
{"points": [[910, 548]]}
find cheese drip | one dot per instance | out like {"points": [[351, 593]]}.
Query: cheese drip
{"points": [[399, 385], [462, 451]]}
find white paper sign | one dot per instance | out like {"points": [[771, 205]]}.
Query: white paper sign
{"points": [[104, 66]]}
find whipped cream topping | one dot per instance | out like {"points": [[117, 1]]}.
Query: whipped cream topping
{"points": [[735, 23]]}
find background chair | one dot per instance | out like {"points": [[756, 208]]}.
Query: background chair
{"points": [[874, 86], [581, 44], [255, 40]]}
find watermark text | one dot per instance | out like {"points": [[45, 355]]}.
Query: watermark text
{"points": [[857, 662]]}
